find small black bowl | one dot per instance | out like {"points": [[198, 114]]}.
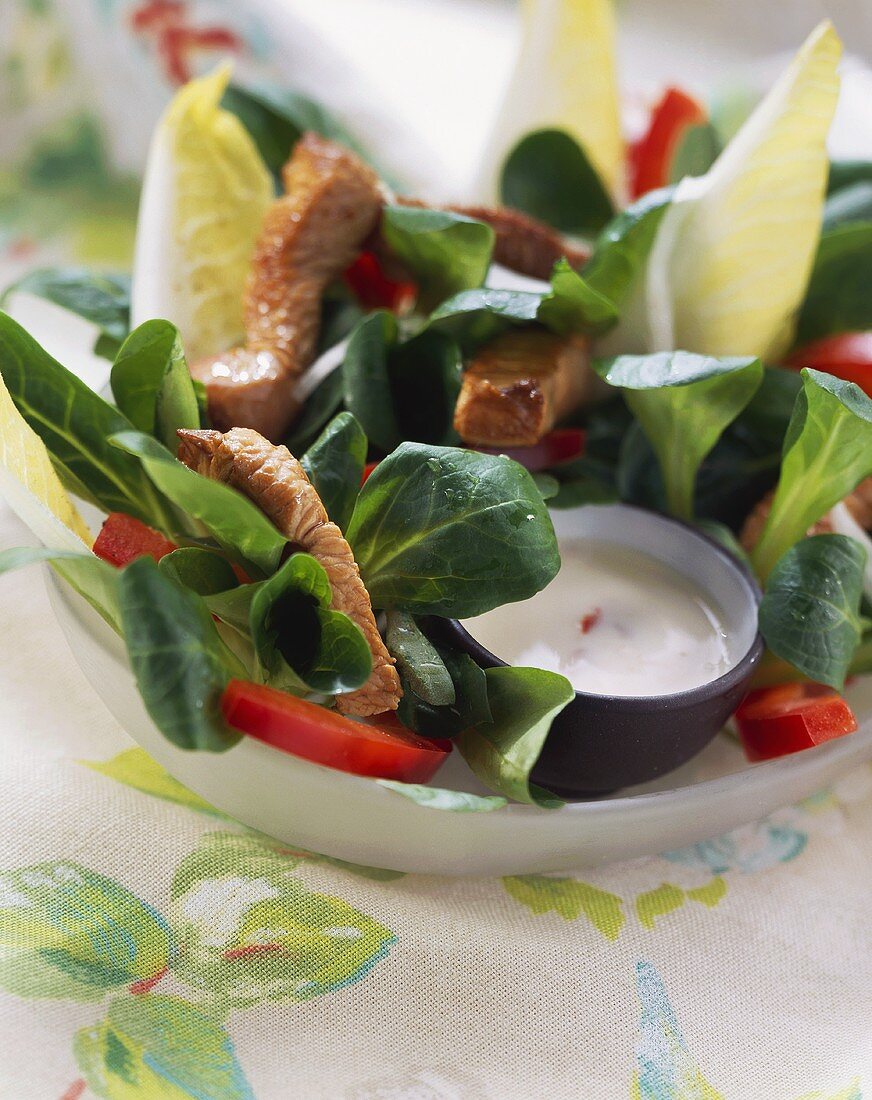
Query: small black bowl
{"points": [[600, 743]]}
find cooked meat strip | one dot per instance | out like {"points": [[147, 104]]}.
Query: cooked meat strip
{"points": [[858, 503], [520, 385], [309, 237], [522, 243], [275, 481]]}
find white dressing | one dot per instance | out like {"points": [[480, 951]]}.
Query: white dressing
{"points": [[615, 621]]}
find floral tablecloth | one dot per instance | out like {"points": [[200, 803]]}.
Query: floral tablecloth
{"points": [[152, 948]]}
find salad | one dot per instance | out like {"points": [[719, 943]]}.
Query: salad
{"points": [[339, 414]]}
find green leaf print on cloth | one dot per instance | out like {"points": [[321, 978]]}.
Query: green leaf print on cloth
{"points": [[250, 932], [68, 932], [666, 1069], [154, 1047], [570, 899]]}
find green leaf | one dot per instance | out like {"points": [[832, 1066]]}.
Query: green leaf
{"points": [[250, 932], [299, 640], [321, 405], [503, 752], [810, 613], [683, 403], [549, 176], [366, 386], [135, 768], [838, 298], [442, 531], [697, 151], [180, 663], [425, 375], [238, 525], [445, 252], [437, 798], [203, 571], [95, 580], [75, 425], [98, 297], [573, 305], [852, 204], [153, 1045], [845, 173], [68, 932], [151, 383], [622, 248], [334, 464], [470, 706], [277, 118], [418, 661], [827, 453]]}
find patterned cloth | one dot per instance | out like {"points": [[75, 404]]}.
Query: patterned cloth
{"points": [[152, 948]]}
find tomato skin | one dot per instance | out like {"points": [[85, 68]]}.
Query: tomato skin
{"points": [[776, 721], [124, 538], [374, 289], [847, 355], [382, 750], [651, 156], [559, 445]]}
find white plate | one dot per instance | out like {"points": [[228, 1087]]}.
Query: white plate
{"points": [[309, 806]]}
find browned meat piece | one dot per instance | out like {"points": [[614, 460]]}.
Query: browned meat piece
{"points": [[309, 237], [858, 503], [520, 385], [522, 243], [276, 482]]}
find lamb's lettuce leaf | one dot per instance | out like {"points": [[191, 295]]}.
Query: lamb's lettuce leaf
{"points": [[683, 403], [75, 425], [438, 798], [443, 531], [152, 385], [238, 525], [203, 571], [697, 151], [179, 661], [846, 173], [503, 752], [322, 404], [445, 252], [622, 248], [549, 176], [300, 641], [470, 706], [418, 661], [99, 297], [334, 464], [572, 304], [401, 390], [810, 612], [827, 453], [851, 204], [838, 297]]}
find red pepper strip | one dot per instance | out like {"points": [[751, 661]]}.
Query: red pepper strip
{"points": [[374, 289], [560, 445], [779, 720], [847, 355], [650, 158], [124, 538], [367, 470], [384, 749]]}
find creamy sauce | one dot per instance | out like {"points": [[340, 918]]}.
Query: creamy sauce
{"points": [[615, 621]]}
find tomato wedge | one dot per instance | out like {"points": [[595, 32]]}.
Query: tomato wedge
{"points": [[651, 156], [124, 538], [779, 720], [560, 445], [847, 355], [384, 749], [374, 289]]}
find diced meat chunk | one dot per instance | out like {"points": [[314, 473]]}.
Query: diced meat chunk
{"points": [[275, 481], [520, 385], [309, 237]]}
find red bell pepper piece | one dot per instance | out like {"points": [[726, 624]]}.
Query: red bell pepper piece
{"points": [[374, 289], [847, 355], [384, 749], [560, 445], [775, 721], [651, 156], [124, 538]]}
